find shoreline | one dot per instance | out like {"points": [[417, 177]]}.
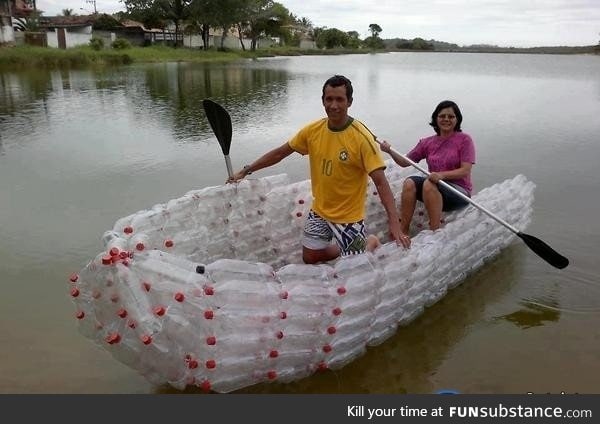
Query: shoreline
{"points": [[25, 57]]}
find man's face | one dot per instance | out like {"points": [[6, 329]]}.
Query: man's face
{"points": [[336, 104]]}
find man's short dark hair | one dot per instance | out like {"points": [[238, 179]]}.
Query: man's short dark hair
{"points": [[338, 81]]}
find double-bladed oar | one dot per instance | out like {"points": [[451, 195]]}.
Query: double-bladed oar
{"points": [[538, 246], [220, 122]]}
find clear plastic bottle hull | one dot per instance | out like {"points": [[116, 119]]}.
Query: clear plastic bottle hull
{"points": [[222, 299]]}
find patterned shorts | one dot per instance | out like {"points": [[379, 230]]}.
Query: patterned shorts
{"points": [[318, 233]]}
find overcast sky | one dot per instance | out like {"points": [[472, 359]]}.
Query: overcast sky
{"points": [[517, 23]]}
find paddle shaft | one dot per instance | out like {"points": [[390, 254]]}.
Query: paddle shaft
{"points": [[229, 167], [458, 193]]}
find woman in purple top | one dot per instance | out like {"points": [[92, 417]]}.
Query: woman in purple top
{"points": [[450, 155]]}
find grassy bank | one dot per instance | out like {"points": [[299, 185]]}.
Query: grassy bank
{"points": [[82, 57], [26, 57]]}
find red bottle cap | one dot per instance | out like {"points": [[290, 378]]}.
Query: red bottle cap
{"points": [[113, 338]]}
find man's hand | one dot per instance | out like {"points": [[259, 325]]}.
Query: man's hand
{"points": [[238, 176], [396, 234]]}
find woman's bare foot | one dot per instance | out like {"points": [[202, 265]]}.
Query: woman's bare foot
{"points": [[372, 242]]}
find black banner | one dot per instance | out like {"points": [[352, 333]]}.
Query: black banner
{"points": [[283, 409]]}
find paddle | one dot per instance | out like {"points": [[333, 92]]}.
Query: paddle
{"points": [[538, 246], [220, 122]]}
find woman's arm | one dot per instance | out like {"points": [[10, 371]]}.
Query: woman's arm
{"points": [[463, 171], [387, 148]]}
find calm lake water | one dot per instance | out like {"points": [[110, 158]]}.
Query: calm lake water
{"points": [[80, 149]]}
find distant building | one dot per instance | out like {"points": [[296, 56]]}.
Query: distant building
{"points": [[67, 31], [12, 12]]}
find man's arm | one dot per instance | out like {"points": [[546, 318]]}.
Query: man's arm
{"points": [[268, 159], [387, 199]]}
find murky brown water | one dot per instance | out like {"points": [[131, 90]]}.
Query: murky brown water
{"points": [[80, 149]]}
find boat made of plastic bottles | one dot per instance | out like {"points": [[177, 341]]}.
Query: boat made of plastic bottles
{"points": [[209, 289]]}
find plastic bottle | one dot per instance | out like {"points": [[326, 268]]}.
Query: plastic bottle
{"points": [[140, 242]]}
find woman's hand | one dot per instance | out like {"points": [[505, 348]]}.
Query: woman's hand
{"points": [[435, 177]]}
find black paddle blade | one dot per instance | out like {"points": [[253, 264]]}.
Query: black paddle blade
{"points": [[544, 251], [220, 122]]}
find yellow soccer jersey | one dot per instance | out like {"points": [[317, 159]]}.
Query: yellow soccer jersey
{"points": [[340, 161]]}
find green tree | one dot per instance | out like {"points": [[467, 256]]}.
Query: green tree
{"points": [[147, 12], [375, 30], [420, 44], [206, 14], [374, 42], [175, 11], [332, 38], [264, 18], [105, 22], [353, 39], [67, 12]]}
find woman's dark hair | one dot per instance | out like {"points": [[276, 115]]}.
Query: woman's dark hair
{"points": [[337, 81], [444, 105]]}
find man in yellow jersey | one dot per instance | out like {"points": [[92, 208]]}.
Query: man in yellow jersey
{"points": [[342, 152]]}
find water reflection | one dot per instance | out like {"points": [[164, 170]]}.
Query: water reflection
{"points": [[170, 94], [406, 362], [176, 92], [533, 315]]}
